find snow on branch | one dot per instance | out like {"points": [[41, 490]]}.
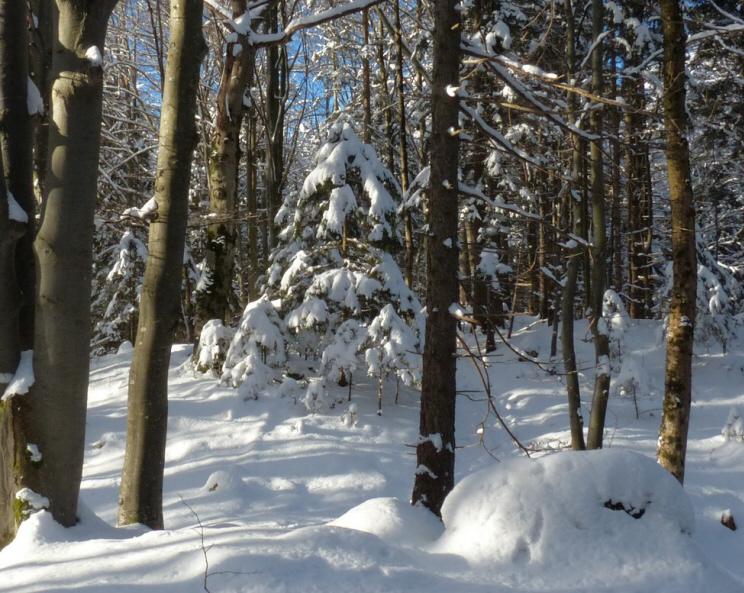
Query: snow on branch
{"points": [[499, 66], [313, 20]]}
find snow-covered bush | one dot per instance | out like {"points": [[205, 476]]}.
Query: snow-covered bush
{"points": [[341, 357], [734, 427], [615, 318], [214, 341], [317, 399]]}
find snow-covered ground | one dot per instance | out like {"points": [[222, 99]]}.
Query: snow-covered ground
{"points": [[263, 497]]}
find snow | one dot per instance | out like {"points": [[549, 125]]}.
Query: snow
{"points": [[32, 499], [147, 211], [15, 212], [33, 452], [33, 99], [93, 55], [23, 378], [289, 500]]}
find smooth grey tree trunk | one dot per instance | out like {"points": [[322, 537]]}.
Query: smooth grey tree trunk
{"points": [[141, 491], [54, 412], [435, 466]]}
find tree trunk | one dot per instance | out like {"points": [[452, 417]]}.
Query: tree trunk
{"points": [[675, 419], [222, 175], [141, 492], [40, 65], [10, 349], [573, 257], [274, 125], [403, 144], [366, 87], [435, 471], [599, 248], [16, 241], [254, 262], [53, 414]]}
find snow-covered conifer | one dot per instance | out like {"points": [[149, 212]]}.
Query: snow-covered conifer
{"points": [[257, 350], [334, 271], [118, 294]]}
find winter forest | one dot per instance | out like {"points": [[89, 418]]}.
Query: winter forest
{"points": [[371, 295]]}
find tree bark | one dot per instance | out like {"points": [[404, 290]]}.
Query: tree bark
{"points": [[222, 175], [599, 245], [435, 471], [16, 244], [275, 91], [141, 492], [576, 419], [675, 419], [40, 65], [53, 414]]}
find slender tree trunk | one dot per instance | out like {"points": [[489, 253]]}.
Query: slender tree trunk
{"points": [[573, 257], [599, 248], [254, 262], [141, 492], [40, 66], [675, 419], [366, 86], [384, 101], [435, 470], [275, 125], [53, 415], [403, 144]]}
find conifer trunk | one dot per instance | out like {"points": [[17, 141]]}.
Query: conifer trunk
{"points": [[573, 257], [599, 245], [435, 469], [675, 420]]}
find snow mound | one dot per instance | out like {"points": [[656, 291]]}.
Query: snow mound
{"points": [[394, 521], [224, 481], [568, 513]]}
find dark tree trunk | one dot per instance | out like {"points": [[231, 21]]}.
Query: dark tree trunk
{"points": [[599, 247], [675, 420], [275, 72], [435, 470], [16, 241], [573, 257], [40, 66], [141, 492]]}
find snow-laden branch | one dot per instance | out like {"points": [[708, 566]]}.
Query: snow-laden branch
{"points": [[476, 193], [495, 135], [309, 21], [498, 66]]}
